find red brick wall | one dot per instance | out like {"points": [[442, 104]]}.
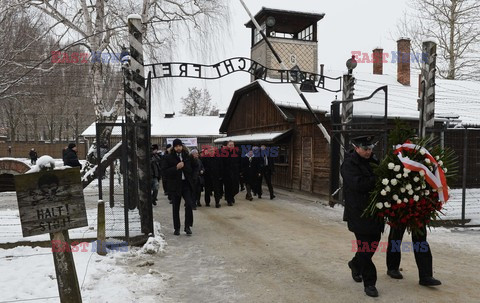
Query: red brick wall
{"points": [[21, 149]]}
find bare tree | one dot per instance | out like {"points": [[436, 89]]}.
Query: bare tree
{"points": [[198, 103], [102, 27], [455, 25]]}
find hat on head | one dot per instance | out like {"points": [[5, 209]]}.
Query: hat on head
{"points": [[154, 146], [194, 151], [364, 141], [177, 142], [71, 145]]}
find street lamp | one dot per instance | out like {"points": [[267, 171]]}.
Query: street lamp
{"points": [[351, 64]]}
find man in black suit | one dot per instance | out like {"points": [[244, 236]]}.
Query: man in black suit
{"points": [[267, 169], [177, 169]]}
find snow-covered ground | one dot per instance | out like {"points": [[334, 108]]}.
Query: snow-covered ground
{"points": [[28, 272], [101, 278]]}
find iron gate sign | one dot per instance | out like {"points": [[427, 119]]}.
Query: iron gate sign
{"points": [[50, 201], [240, 64]]}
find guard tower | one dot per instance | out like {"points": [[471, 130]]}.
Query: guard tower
{"points": [[293, 36]]}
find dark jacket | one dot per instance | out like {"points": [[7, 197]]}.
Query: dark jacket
{"points": [[251, 169], [33, 155], [358, 181], [173, 176], [197, 171], [270, 167], [231, 168], [156, 165], [70, 158]]}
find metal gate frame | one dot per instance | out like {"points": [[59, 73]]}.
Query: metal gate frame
{"points": [[342, 131]]}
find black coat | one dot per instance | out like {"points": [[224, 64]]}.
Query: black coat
{"points": [[156, 165], [70, 158], [213, 170], [173, 176], [358, 181], [251, 169], [197, 171], [33, 155], [231, 168]]}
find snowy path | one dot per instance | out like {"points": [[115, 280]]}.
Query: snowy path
{"points": [[282, 251]]}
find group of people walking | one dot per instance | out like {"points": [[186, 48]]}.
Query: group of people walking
{"points": [[358, 181], [218, 172]]}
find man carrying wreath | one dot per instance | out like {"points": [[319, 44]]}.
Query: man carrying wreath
{"points": [[358, 181]]}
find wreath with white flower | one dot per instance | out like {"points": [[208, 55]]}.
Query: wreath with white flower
{"points": [[412, 183]]}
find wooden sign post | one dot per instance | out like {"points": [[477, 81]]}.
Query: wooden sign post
{"points": [[52, 202]]}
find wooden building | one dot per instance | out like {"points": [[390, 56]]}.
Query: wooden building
{"points": [[253, 117]]}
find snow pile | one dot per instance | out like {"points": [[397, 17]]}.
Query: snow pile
{"points": [[154, 244], [44, 162]]}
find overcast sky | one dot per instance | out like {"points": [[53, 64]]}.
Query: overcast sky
{"points": [[348, 25]]}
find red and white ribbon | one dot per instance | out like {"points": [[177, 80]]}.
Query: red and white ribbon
{"points": [[437, 181]]}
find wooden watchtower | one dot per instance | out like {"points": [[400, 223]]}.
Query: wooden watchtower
{"points": [[293, 36]]}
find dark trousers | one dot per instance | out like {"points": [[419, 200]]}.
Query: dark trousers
{"points": [[423, 255], [176, 201], [362, 260], [213, 186], [164, 185], [231, 189], [267, 174]]}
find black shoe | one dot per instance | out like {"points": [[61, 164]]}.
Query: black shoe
{"points": [[259, 196], [199, 204], [272, 197], [177, 232], [430, 281], [217, 205], [357, 277], [229, 203], [188, 230], [371, 291], [395, 273], [154, 202], [207, 204], [194, 208]]}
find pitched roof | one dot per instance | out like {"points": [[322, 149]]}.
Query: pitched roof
{"points": [[456, 99], [191, 126]]}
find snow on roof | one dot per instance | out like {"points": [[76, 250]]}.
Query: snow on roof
{"points": [[264, 137], [454, 98], [191, 126]]}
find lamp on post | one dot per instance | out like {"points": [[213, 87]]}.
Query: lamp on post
{"points": [[351, 64]]}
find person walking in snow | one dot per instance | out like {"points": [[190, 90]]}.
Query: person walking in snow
{"points": [[155, 166], [213, 175], [250, 170], [231, 171], [70, 157], [33, 156], [177, 169], [198, 177], [358, 180]]}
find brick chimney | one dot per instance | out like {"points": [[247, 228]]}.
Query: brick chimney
{"points": [[378, 61], [403, 61]]}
